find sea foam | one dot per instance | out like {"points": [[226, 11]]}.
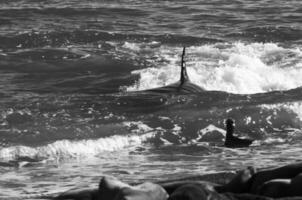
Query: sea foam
{"points": [[237, 68], [81, 148]]}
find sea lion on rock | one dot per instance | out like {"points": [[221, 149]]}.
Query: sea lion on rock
{"points": [[194, 192], [109, 187], [245, 196], [172, 186], [274, 188], [113, 189], [145, 191], [240, 183], [284, 182], [285, 172], [295, 186], [241, 186], [277, 188], [199, 192], [79, 194]]}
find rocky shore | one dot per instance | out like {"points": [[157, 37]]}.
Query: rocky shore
{"points": [[283, 183]]}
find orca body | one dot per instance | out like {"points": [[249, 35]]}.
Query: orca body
{"points": [[178, 87], [183, 86]]}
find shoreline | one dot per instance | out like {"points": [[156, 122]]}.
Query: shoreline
{"points": [[282, 183]]}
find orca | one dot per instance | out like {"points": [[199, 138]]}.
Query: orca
{"points": [[183, 86]]}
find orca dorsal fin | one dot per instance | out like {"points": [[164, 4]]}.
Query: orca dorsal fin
{"points": [[183, 74]]}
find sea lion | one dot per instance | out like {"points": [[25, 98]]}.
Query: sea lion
{"points": [[79, 194], [183, 86], [194, 192], [144, 191], [277, 188], [295, 186], [199, 192], [240, 183], [239, 188], [109, 187], [172, 186], [232, 141], [113, 189], [284, 182], [285, 172]]}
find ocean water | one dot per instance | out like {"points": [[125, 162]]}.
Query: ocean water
{"points": [[72, 76]]}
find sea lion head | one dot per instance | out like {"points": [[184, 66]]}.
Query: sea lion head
{"points": [[241, 182], [230, 124]]}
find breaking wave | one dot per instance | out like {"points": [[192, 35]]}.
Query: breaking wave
{"points": [[237, 68], [73, 149]]}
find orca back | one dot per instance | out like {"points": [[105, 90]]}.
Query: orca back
{"points": [[186, 88]]}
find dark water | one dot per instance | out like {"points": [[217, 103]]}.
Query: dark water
{"points": [[72, 74]]}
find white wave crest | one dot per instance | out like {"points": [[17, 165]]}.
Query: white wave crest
{"points": [[290, 107], [81, 148]]}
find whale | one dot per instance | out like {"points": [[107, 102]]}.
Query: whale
{"points": [[183, 86]]}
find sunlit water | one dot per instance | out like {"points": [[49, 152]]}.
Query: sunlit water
{"points": [[72, 75]]}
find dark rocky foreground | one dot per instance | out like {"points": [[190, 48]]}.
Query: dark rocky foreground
{"points": [[283, 183]]}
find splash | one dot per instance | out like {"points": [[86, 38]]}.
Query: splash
{"points": [[237, 68], [73, 149], [63, 149]]}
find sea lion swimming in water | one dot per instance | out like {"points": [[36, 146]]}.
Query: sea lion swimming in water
{"points": [[183, 86], [232, 141]]}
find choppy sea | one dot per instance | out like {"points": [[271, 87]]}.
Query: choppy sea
{"points": [[68, 69]]}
